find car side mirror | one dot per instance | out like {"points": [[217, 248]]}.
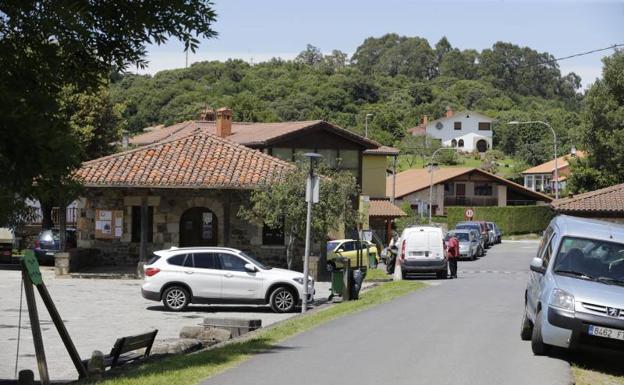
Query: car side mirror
{"points": [[250, 268], [537, 265], [339, 250]]}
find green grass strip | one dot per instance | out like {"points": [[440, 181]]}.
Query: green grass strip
{"points": [[193, 368]]}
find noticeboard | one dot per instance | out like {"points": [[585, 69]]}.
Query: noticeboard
{"points": [[108, 224]]}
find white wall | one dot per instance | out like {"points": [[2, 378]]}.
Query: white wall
{"points": [[470, 125]]}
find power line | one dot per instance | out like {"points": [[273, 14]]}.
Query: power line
{"points": [[614, 46]]}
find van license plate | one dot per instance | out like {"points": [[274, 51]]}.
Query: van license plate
{"points": [[599, 331], [50, 253]]}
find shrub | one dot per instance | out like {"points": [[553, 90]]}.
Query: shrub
{"points": [[510, 219]]}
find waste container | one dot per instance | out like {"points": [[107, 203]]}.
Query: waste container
{"points": [[341, 279]]}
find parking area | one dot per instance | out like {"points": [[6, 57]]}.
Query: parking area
{"points": [[96, 312]]}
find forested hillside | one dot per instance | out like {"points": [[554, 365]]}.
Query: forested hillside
{"points": [[397, 79]]}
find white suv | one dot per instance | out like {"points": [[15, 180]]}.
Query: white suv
{"points": [[216, 275]]}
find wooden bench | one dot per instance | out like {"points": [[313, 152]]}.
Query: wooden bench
{"points": [[126, 349]]}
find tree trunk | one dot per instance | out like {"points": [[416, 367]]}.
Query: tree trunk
{"points": [[62, 227], [289, 250], [46, 215]]}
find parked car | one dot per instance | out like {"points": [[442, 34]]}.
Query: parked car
{"points": [[48, 243], [421, 250], [6, 244], [477, 235], [476, 226], [348, 248], [495, 233], [575, 293], [468, 243], [211, 275]]}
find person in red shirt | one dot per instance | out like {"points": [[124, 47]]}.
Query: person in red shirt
{"points": [[452, 253]]}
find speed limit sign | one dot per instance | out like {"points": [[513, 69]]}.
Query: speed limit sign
{"points": [[469, 214]]}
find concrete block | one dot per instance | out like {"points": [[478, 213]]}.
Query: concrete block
{"points": [[95, 366], [176, 346], [191, 331], [237, 326]]}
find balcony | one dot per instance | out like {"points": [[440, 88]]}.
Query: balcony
{"points": [[470, 201]]}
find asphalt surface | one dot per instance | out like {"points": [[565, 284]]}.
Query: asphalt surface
{"points": [[463, 331]]}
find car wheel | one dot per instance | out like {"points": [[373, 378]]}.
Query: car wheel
{"points": [[283, 300], [176, 298], [403, 275], [331, 266], [526, 330], [537, 342]]}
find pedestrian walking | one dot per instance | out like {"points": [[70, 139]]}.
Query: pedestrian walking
{"points": [[452, 254]]}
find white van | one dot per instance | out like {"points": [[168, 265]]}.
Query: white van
{"points": [[421, 250]]}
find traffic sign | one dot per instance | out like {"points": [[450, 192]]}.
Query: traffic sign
{"points": [[469, 214]]}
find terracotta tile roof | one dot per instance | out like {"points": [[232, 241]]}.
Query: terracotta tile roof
{"points": [[384, 208], [418, 179], [248, 134], [383, 150], [549, 167], [420, 130], [609, 199], [199, 160]]}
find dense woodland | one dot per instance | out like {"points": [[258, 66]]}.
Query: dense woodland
{"points": [[397, 79]]}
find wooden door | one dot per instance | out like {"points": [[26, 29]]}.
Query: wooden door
{"points": [[198, 227]]}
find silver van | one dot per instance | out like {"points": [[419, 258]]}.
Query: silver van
{"points": [[575, 293]]}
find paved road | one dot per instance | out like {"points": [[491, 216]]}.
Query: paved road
{"points": [[96, 313], [463, 331]]}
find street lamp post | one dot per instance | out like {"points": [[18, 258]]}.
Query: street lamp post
{"points": [[516, 123], [310, 198], [431, 178], [366, 124]]}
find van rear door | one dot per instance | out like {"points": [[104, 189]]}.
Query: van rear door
{"points": [[423, 244]]}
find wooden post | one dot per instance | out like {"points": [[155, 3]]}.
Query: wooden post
{"points": [[62, 227], [388, 230], [35, 327], [60, 327], [144, 230]]}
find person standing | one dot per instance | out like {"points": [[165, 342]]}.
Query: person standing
{"points": [[452, 253]]}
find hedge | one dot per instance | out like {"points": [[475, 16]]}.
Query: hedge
{"points": [[510, 219]]}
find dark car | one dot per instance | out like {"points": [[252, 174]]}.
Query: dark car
{"points": [[48, 243]]}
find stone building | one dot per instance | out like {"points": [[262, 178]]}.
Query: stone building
{"points": [[182, 192]]}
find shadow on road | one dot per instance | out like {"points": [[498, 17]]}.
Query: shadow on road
{"points": [[218, 309], [600, 361]]}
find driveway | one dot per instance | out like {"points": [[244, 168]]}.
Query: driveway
{"points": [[97, 312], [463, 331]]}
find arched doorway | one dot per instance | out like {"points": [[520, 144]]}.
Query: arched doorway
{"points": [[198, 227], [482, 145]]}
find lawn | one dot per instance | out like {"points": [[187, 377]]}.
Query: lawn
{"points": [[597, 368], [377, 275], [191, 369], [505, 168], [594, 377]]}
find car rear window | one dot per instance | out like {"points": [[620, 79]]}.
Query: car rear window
{"points": [[181, 260], [153, 259]]}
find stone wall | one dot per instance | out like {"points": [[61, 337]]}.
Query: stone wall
{"points": [[168, 206]]}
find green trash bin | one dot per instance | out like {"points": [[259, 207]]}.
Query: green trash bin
{"points": [[339, 281]]}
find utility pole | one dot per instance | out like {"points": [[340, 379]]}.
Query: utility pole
{"points": [[366, 124], [312, 196]]}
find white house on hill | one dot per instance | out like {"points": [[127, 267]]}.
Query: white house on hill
{"points": [[468, 131]]}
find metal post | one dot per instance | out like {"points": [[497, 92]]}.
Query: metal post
{"points": [[394, 162], [35, 327], [306, 258], [430, 188], [556, 166]]}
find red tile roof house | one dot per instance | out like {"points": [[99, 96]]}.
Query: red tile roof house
{"points": [[188, 181], [605, 204]]}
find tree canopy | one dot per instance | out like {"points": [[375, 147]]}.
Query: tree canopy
{"points": [[49, 48]]}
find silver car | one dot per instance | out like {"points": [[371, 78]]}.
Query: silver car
{"points": [[575, 294], [469, 246]]}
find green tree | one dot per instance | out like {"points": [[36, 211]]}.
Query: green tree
{"points": [[46, 46], [283, 205], [602, 131]]}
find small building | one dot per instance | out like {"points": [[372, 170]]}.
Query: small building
{"points": [[459, 186], [605, 204], [467, 131], [541, 178]]}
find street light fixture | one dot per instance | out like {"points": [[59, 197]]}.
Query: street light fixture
{"points": [[366, 124], [311, 186], [516, 123], [431, 167]]}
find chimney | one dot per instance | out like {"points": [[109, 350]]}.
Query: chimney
{"points": [[425, 120], [207, 114], [125, 139], [449, 111], [224, 122]]}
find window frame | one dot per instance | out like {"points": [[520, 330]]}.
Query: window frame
{"points": [[457, 126], [484, 126]]}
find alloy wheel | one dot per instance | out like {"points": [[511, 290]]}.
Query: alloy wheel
{"points": [[176, 298]]}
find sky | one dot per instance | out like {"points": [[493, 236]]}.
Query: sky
{"points": [[256, 31]]}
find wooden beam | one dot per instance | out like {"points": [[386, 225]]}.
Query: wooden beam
{"points": [[35, 327], [144, 229]]}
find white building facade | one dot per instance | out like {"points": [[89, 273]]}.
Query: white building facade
{"points": [[467, 131]]}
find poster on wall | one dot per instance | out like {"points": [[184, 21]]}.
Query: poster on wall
{"points": [[108, 224]]}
